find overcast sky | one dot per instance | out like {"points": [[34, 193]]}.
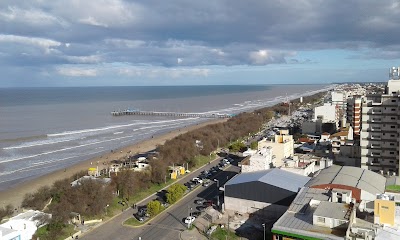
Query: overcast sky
{"points": [[181, 42]]}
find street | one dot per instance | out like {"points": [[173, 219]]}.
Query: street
{"points": [[169, 223]]}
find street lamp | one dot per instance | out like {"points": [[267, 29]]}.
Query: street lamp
{"points": [[216, 180], [264, 229], [106, 208]]}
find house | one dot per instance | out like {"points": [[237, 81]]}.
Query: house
{"points": [[338, 203], [176, 171], [79, 181], [24, 225], [340, 138], [262, 160]]}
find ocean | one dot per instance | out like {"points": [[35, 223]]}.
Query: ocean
{"points": [[46, 129]]}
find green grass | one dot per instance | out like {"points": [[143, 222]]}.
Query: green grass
{"points": [[393, 188], [147, 192], [134, 222], [67, 231], [201, 160], [223, 234]]}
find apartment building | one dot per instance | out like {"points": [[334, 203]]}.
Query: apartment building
{"points": [[327, 113], [353, 113], [380, 128], [339, 99], [282, 147]]}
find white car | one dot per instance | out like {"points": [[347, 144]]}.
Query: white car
{"points": [[196, 179], [190, 220]]}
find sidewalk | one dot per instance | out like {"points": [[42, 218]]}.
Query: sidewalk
{"points": [[192, 235]]}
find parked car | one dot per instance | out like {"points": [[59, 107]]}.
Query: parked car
{"points": [[198, 180], [199, 201], [206, 184], [201, 208], [190, 219]]}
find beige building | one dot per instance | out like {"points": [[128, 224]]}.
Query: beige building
{"points": [[282, 147], [379, 130]]}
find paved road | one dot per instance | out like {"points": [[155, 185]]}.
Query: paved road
{"points": [[168, 224]]}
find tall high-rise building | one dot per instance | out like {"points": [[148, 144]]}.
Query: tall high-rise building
{"points": [[353, 113], [380, 128]]}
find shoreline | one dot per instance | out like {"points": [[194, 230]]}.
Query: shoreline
{"points": [[15, 195]]}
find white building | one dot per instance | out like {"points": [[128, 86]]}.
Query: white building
{"points": [[339, 99], [262, 160], [282, 146], [379, 130], [23, 226], [327, 113]]}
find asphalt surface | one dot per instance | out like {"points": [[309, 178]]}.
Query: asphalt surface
{"points": [[169, 223]]}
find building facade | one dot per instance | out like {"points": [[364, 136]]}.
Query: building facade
{"points": [[353, 113], [380, 129], [282, 147]]}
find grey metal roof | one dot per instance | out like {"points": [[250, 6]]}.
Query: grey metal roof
{"points": [[303, 198], [332, 210], [350, 176], [299, 217], [275, 177]]}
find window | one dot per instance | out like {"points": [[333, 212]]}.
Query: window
{"points": [[321, 219], [393, 118], [391, 152], [391, 161], [392, 135], [393, 109], [384, 207], [393, 100], [392, 126], [391, 144]]}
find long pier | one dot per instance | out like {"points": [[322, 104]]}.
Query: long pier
{"points": [[170, 114]]}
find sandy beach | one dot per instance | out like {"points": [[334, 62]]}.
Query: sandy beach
{"points": [[15, 195]]}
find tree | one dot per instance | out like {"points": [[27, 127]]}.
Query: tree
{"points": [[237, 146], [254, 145], [175, 192], [7, 211], [153, 208]]}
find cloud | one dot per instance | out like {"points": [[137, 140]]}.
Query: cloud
{"points": [[30, 16], [163, 72], [178, 34], [46, 44], [77, 72], [84, 59]]}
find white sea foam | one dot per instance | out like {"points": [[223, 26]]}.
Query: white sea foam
{"points": [[39, 143], [92, 130], [172, 124]]}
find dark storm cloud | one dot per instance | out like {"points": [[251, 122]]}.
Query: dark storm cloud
{"points": [[181, 33]]}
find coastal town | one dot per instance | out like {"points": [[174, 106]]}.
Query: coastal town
{"points": [[318, 167]]}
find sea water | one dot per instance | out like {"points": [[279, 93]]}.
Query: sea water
{"points": [[46, 129]]}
